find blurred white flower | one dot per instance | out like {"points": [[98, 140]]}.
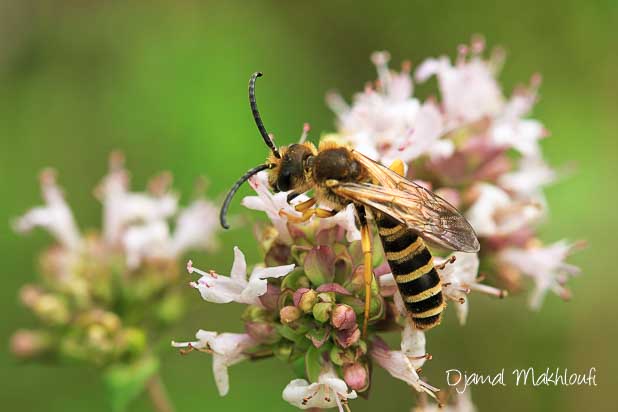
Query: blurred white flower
{"points": [[459, 278], [398, 364], [122, 208], [145, 241], [495, 213], [55, 216], [195, 227], [388, 123], [328, 392], [546, 266], [511, 129], [227, 349], [236, 287], [270, 203], [468, 88], [529, 178]]}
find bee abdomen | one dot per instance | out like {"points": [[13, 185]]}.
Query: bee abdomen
{"points": [[413, 268]]}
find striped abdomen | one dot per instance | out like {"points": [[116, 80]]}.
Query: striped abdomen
{"points": [[413, 268]]}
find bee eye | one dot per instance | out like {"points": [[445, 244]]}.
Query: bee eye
{"points": [[284, 181]]}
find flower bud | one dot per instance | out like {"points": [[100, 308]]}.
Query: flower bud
{"points": [[343, 317], [29, 295], [262, 332], [305, 299], [52, 309], [356, 376], [347, 337], [322, 310], [271, 298], [254, 314], [289, 314], [135, 340], [27, 344], [283, 350]]}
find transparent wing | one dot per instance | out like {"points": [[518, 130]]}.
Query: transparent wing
{"points": [[421, 210]]}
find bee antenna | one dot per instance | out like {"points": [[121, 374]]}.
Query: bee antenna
{"points": [[256, 116], [234, 189]]}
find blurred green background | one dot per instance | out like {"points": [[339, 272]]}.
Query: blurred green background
{"points": [[166, 83]]}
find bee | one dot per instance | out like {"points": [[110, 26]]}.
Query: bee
{"points": [[405, 213]]}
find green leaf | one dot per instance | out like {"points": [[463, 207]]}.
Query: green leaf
{"points": [[313, 366], [125, 382]]}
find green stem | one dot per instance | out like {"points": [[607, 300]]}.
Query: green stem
{"points": [[158, 395]]}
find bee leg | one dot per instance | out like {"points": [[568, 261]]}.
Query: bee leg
{"points": [[398, 167], [367, 264], [307, 214], [301, 207]]}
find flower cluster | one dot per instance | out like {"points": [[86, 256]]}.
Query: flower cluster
{"points": [[472, 146], [104, 295], [305, 306]]}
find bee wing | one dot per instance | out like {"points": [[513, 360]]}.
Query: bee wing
{"points": [[421, 210]]}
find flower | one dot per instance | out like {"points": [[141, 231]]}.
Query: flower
{"points": [[546, 266], [495, 213], [227, 349], [469, 89], [272, 204], [236, 288], [413, 345], [328, 392], [55, 216], [510, 129], [345, 219], [460, 277], [399, 366], [387, 123], [132, 259], [530, 177], [122, 208]]}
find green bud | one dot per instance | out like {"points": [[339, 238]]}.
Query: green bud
{"points": [[336, 355], [254, 314], [328, 297], [322, 311], [283, 350], [134, 340]]}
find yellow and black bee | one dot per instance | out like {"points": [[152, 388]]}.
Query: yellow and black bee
{"points": [[405, 213]]}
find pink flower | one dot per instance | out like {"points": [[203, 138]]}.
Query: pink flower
{"points": [[468, 88], [388, 123]]}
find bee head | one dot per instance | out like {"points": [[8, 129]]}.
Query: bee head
{"points": [[292, 172], [289, 169]]}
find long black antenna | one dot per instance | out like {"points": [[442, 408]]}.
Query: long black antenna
{"points": [[256, 116], [234, 189]]}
